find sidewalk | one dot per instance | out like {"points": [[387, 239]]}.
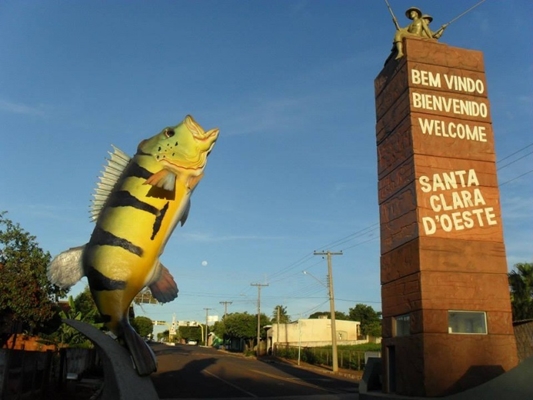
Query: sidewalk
{"points": [[321, 369]]}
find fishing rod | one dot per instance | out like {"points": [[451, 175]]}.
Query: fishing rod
{"points": [[393, 16], [463, 13], [443, 26]]}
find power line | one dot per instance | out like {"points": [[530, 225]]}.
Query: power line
{"points": [[345, 239], [337, 242], [518, 151], [518, 159], [360, 243], [311, 310], [519, 176]]}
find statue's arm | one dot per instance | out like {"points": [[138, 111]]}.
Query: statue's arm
{"points": [[439, 33]]}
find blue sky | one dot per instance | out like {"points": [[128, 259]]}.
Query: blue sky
{"points": [[289, 84]]}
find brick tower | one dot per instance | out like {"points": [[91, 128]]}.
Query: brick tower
{"points": [[447, 323]]}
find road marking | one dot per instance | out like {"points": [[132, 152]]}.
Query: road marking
{"points": [[230, 384], [297, 381]]}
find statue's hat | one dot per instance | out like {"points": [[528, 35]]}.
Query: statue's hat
{"points": [[408, 12], [428, 17]]}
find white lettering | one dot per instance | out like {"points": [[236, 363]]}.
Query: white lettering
{"points": [[448, 180], [478, 198], [457, 201], [417, 100], [464, 84], [469, 222], [472, 178], [429, 225], [434, 203], [424, 182], [425, 78], [446, 223], [457, 106], [459, 220], [455, 130], [491, 217]]}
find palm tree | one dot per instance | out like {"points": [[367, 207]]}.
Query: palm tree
{"points": [[521, 285], [283, 316]]}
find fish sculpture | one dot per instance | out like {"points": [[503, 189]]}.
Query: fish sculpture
{"points": [[137, 204]]}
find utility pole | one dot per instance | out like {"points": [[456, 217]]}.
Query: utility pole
{"points": [[225, 306], [277, 333], [206, 319], [334, 359], [259, 285]]}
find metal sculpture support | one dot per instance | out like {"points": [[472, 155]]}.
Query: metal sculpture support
{"points": [[121, 381]]}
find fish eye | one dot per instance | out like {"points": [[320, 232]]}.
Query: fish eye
{"points": [[169, 132]]}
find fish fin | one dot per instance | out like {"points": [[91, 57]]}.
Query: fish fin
{"points": [[116, 164], [66, 268], [143, 356], [163, 179], [193, 181], [164, 288], [185, 213]]}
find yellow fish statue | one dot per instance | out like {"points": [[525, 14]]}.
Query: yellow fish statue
{"points": [[137, 204]]}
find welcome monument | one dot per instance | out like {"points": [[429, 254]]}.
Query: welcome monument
{"points": [[447, 322]]}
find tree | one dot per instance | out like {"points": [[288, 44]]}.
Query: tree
{"points": [[283, 316], [143, 326], [85, 304], [369, 318], [26, 295], [521, 285], [219, 328], [338, 315], [67, 335], [163, 335], [191, 333], [244, 326]]}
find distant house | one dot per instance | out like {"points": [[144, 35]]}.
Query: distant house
{"points": [[314, 333]]}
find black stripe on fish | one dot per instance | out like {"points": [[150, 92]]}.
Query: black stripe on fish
{"points": [[137, 171], [101, 237], [123, 198], [100, 282], [159, 218]]}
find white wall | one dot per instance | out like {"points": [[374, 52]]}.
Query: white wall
{"points": [[315, 332]]}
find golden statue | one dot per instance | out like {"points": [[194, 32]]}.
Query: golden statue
{"points": [[418, 28]]}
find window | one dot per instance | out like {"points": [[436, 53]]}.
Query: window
{"points": [[467, 322], [402, 325]]}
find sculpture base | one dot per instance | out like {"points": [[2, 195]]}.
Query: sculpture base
{"points": [[121, 381]]}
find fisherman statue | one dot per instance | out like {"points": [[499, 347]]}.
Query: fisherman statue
{"points": [[419, 27]]}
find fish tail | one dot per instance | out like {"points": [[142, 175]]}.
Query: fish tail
{"points": [[143, 356]]}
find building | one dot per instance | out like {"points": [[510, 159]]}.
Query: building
{"points": [[314, 333]]}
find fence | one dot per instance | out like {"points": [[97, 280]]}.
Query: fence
{"points": [[24, 374], [347, 359], [35, 374]]}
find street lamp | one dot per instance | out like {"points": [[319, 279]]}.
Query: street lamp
{"points": [[315, 278]]}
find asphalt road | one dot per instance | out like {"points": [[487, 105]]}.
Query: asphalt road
{"points": [[192, 372]]}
